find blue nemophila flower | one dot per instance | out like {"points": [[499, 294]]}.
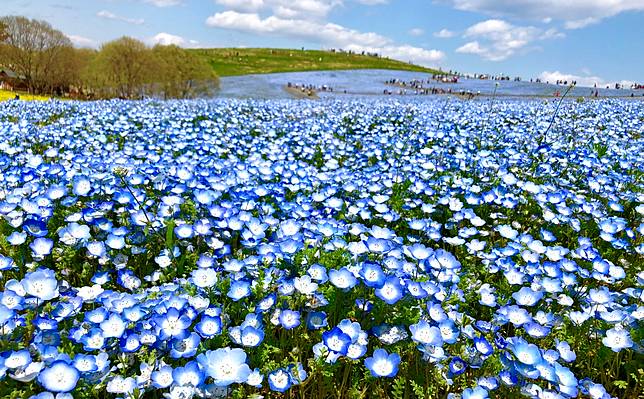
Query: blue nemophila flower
{"points": [[16, 238], [226, 366], [383, 364], [289, 228], [526, 353], [617, 339], [96, 248], [35, 227], [192, 374], [184, 231], [130, 343], [279, 380], [17, 359], [173, 324], [316, 320], [209, 326], [336, 340], [297, 372], [41, 247], [186, 347], [391, 291], [81, 186], [457, 366], [113, 326], [565, 352], [204, 277], [59, 377], [304, 285], [266, 303], [289, 319], [251, 336], [41, 284], [318, 273], [239, 290], [86, 364], [419, 251], [527, 297], [255, 378], [423, 333], [483, 346], [372, 275], [342, 278], [475, 393]]}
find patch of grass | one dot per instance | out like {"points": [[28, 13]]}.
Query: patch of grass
{"points": [[244, 61], [9, 95]]}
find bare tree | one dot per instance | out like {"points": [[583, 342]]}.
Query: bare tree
{"points": [[34, 50]]}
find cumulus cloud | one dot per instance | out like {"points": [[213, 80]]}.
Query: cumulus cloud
{"points": [[166, 39], [164, 3], [444, 34], [583, 80], [325, 33], [80, 41], [575, 13], [110, 15], [496, 40]]}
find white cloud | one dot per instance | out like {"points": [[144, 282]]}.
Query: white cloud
{"points": [[325, 33], [405, 53], [444, 34], [416, 32], [372, 2], [164, 3], [576, 13], [166, 39], [496, 40], [80, 41], [303, 9], [584, 80], [109, 15], [471, 48], [580, 23]]}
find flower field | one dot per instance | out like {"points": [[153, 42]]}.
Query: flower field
{"points": [[350, 249]]}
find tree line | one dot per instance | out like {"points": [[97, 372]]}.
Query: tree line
{"points": [[44, 61]]}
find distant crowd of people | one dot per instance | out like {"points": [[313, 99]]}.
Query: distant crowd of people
{"points": [[309, 89], [420, 83]]}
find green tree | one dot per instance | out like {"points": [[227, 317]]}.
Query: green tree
{"points": [[181, 74], [123, 68]]}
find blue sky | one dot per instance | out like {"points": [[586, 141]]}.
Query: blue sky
{"points": [[586, 40]]}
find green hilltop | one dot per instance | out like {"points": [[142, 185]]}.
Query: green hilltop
{"points": [[245, 61]]}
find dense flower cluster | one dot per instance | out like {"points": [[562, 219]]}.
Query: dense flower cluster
{"points": [[356, 248]]}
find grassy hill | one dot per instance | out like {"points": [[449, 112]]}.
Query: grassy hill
{"points": [[244, 61]]}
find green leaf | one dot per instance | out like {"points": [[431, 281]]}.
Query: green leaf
{"points": [[169, 235]]}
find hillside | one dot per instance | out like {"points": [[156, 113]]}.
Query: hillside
{"points": [[244, 61]]}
